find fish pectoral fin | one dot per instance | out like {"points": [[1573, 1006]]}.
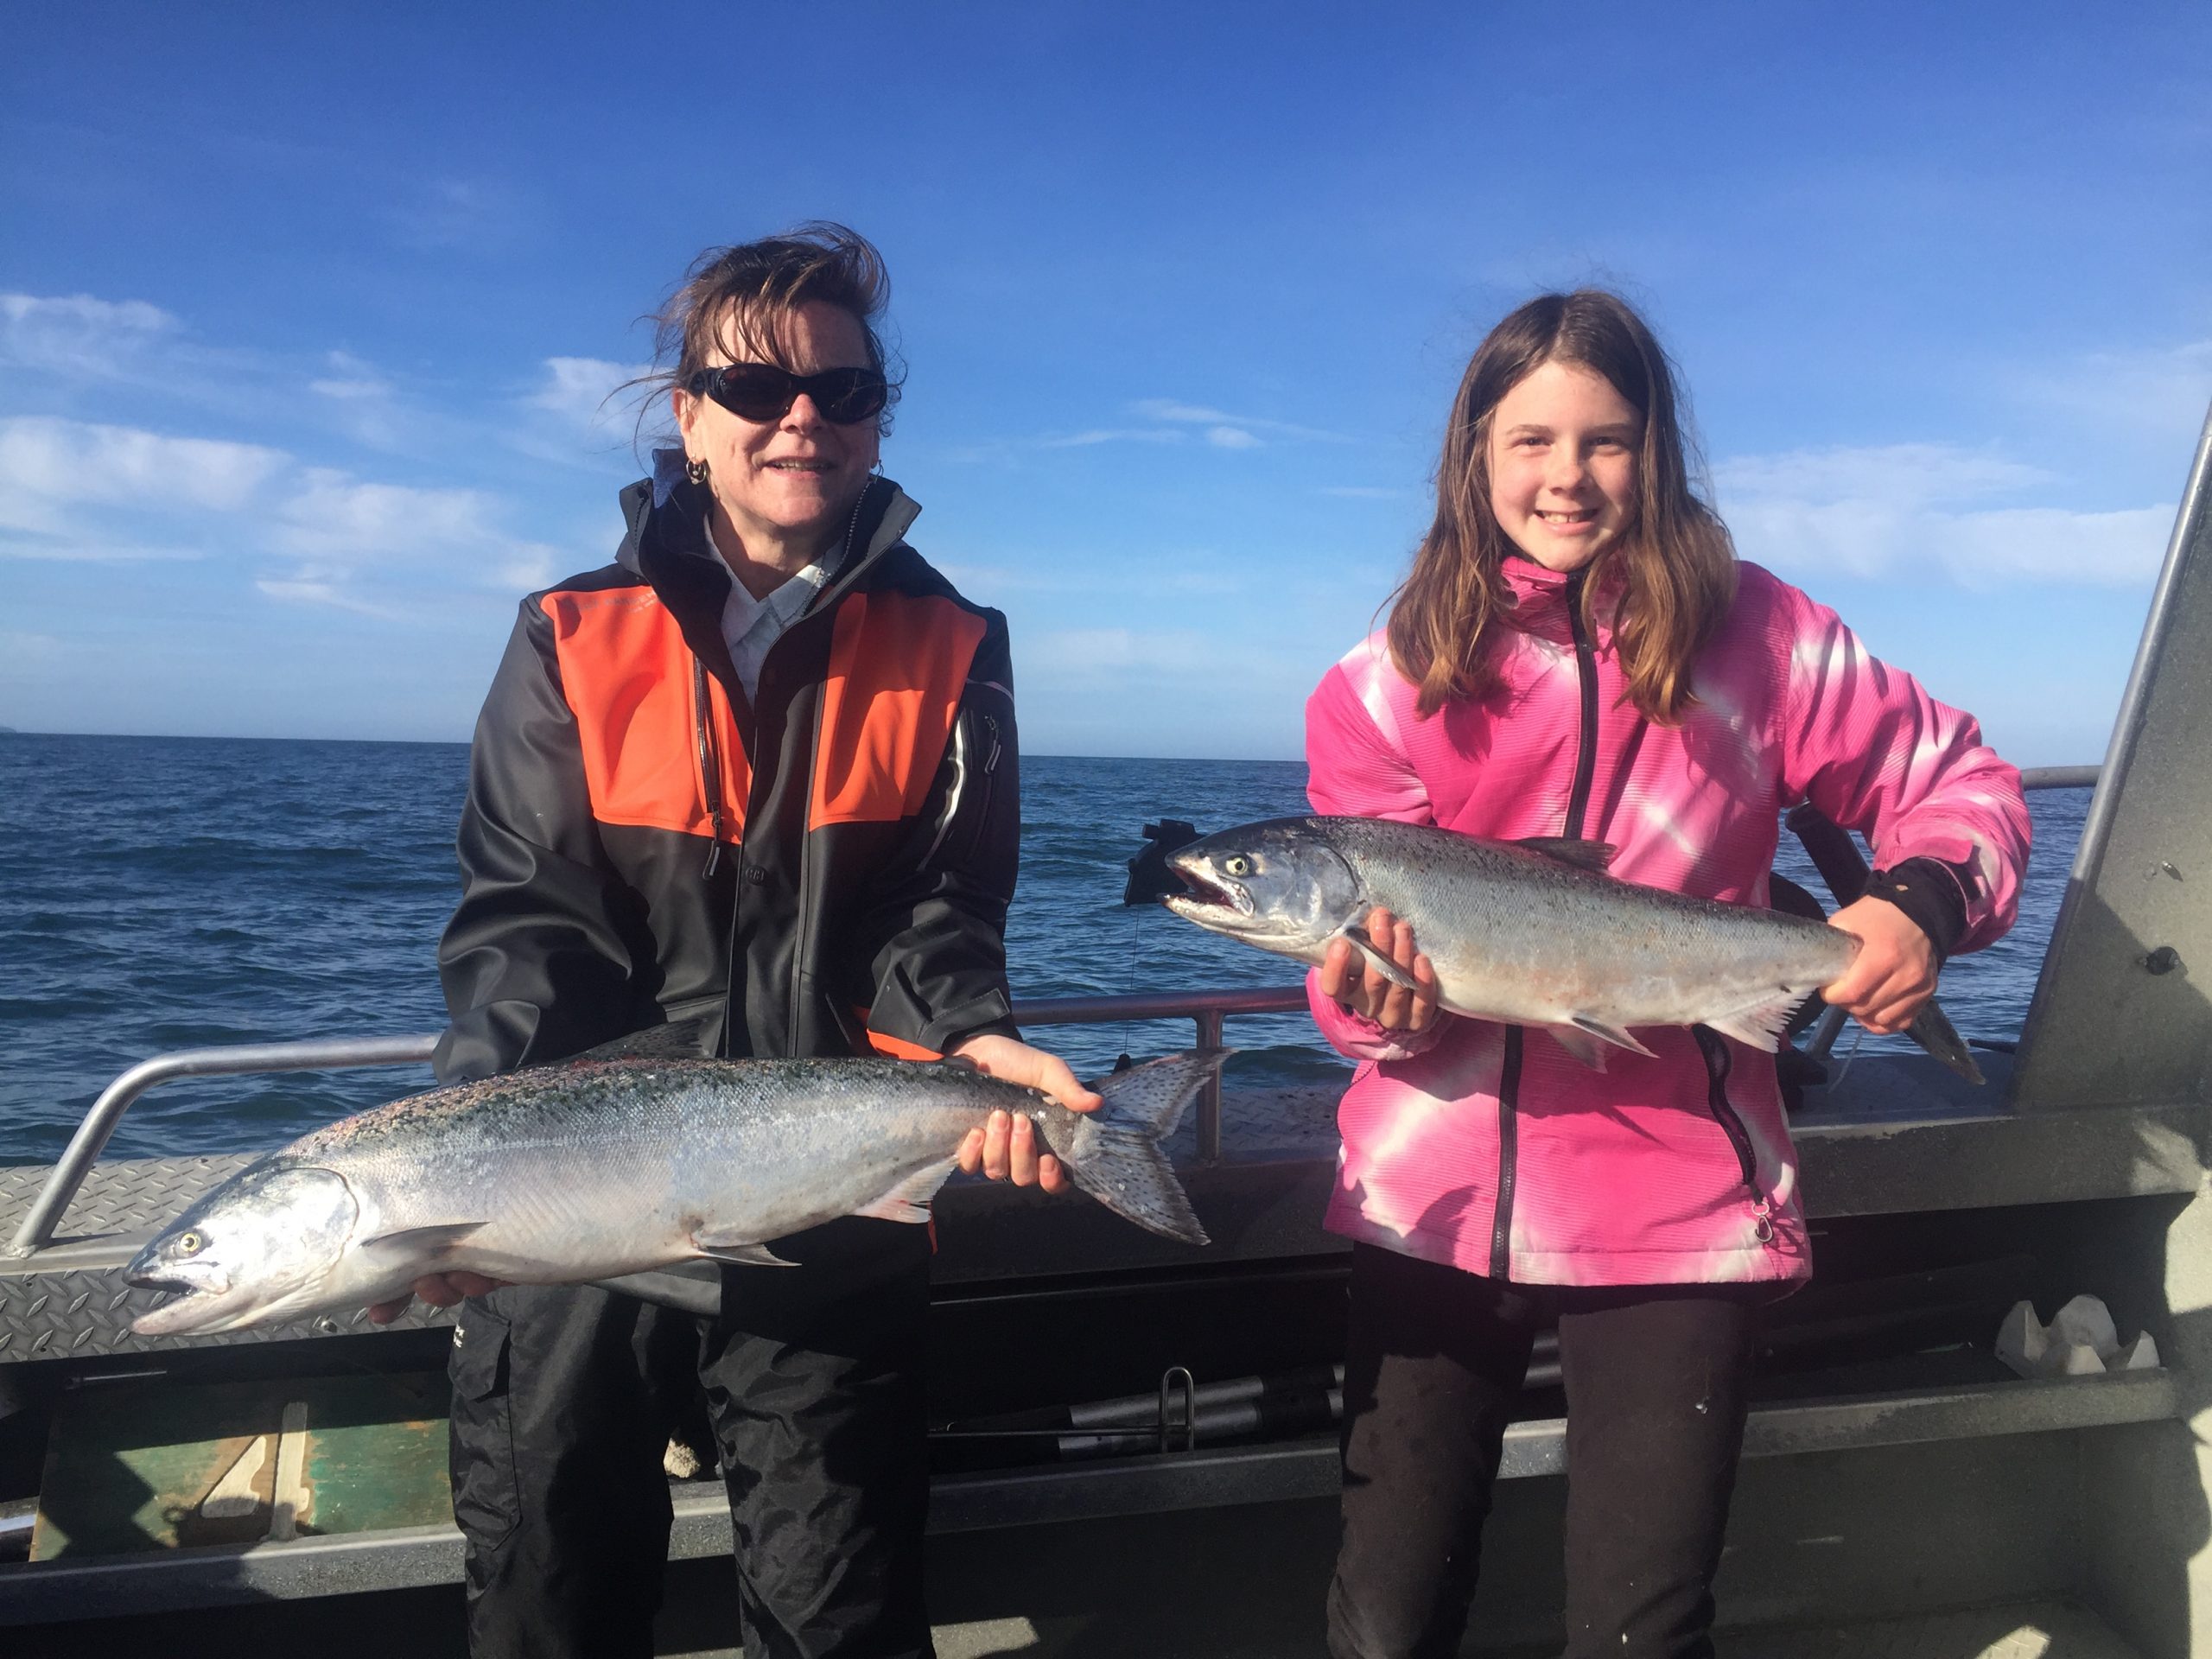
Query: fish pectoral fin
{"points": [[910, 1200], [1604, 1034], [1568, 850], [1357, 933], [432, 1239], [739, 1253], [1759, 1026]]}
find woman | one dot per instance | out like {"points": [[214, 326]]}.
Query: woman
{"points": [[759, 773], [1576, 652]]}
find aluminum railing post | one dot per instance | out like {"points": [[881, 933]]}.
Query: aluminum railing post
{"points": [[1209, 1024]]}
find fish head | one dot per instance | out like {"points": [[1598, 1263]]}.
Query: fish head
{"points": [[268, 1242], [1281, 885]]}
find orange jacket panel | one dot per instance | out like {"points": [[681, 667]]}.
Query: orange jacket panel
{"points": [[637, 724]]}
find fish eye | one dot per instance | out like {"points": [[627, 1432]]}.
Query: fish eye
{"points": [[1237, 866], [191, 1243]]}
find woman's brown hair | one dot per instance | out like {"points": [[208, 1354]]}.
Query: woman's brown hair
{"points": [[1674, 570], [746, 294]]}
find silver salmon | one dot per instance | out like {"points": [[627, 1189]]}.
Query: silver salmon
{"points": [[1532, 933], [600, 1168]]}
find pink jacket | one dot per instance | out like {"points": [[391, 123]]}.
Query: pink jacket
{"points": [[1652, 1172]]}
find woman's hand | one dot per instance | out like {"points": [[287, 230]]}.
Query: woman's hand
{"points": [[1894, 973], [1346, 976], [439, 1290], [1006, 1148]]}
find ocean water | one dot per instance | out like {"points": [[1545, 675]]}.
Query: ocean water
{"points": [[158, 894]]}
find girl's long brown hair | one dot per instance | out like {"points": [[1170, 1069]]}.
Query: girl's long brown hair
{"points": [[1674, 570]]}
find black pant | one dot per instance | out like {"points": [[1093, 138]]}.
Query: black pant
{"points": [[563, 1399], [1654, 1380]]}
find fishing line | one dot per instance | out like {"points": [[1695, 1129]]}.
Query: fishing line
{"points": [[1129, 980], [1858, 1036]]}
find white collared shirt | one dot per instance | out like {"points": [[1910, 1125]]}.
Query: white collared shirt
{"points": [[750, 626]]}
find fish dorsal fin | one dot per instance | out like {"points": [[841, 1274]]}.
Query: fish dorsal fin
{"points": [[679, 1039], [910, 1199], [1596, 856], [432, 1239]]}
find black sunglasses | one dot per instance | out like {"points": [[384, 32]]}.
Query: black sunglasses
{"points": [[761, 392]]}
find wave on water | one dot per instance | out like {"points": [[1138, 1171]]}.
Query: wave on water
{"points": [[172, 893]]}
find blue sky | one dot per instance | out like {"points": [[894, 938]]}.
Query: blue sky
{"points": [[305, 313]]}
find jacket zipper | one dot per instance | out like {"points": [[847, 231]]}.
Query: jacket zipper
{"points": [[710, 766], [956, 798], [802, 964], [982, 813], [1509, 1090], [1577, 807], [1718, 1063], [1586, 674]]}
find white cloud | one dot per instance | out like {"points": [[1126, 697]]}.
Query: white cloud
{"points": [[351, 380], [345, 536], [21, 648], [1177, 412], [334, 515], [2161, 390], [71, 491], [77, 334], [584, 388], [1113, 435], [1900, 474], [86, 547], [1908, 507], [1231, 437], [308, 590], [467, 215], [1088, 573], [46, 462]]}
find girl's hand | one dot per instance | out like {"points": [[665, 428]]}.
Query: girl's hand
{"points": [[1006, 1148], [1894, 972], [1346, 976], [439, 1290]]}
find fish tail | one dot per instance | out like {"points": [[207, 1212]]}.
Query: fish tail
{"points": [[1116, 1157], [1932, 1029]]}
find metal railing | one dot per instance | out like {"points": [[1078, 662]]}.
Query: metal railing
{"points": [[1207, 1009]]}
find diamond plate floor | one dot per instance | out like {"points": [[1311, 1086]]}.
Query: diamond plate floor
{"points": [[2033, 1630], [2023, 1630]]}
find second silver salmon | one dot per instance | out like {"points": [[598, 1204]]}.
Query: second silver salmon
{"points": [[1532, 933]]}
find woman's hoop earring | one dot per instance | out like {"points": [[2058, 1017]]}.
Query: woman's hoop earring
{"points": [[696, 472]]}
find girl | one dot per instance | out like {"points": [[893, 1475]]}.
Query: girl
{"points": [[1577, 651]]}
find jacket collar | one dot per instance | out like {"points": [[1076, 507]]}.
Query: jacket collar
{"points": [[1543, 597], [665, 543]]}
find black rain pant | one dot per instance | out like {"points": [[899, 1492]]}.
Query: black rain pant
{"points": [[563, 1402], [1656, 1380]]}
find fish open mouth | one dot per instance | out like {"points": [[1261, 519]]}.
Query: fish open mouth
{"points": [[157, 1281], [1202, 891]]}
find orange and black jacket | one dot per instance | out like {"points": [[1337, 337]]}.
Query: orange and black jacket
{"points": [[822, 869]]}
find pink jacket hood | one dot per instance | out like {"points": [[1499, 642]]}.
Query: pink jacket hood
{"points": [[1512, 1159]]}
